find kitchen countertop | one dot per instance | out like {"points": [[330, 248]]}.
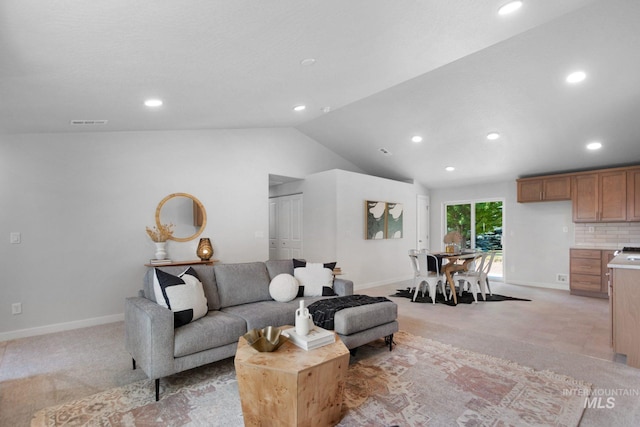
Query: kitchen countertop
{"points": [[621, 261]]}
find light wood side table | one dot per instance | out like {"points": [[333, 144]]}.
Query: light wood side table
{"points": [[291, 386]]}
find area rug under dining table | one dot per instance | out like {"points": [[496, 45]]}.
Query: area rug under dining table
{"points": [[421, 382], [464, 298]]}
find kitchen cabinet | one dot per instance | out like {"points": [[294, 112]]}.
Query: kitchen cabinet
{"points": [[599, 196], [589, 273], [623, 303], [633, 194], [549, 188]]}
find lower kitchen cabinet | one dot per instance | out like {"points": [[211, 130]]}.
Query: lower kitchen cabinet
{"points": [[589, 273]]}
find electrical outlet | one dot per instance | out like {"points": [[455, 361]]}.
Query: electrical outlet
{"points": [[15, 237], [16, 308], [591, 230], [562, 278]]}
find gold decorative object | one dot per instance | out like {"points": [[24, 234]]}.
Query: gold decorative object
{"points": [[265, 340], [205, 250]]}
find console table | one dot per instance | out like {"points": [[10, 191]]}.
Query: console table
{"points": [[179, 263]]}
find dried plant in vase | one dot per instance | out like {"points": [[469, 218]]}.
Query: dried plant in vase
{"points": [[452, 240], [160, 233], [453, 237]]}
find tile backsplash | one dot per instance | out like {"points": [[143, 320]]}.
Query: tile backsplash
{"points": [[610, 235]]}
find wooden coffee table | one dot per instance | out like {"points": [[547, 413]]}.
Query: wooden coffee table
{"points": [[291, 386]]}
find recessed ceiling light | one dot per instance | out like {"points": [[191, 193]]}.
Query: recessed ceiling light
{"points": [[449, 168], [308, 62], [416, 138], [153, 102], [594, 145], [299, 108], [493, 136], [510, 7], [576, 77]]}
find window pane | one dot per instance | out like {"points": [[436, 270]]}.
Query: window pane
{"points": [[489, 226], [459, 219]]}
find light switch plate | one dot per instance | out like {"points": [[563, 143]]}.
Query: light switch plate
{"points": [[15, 237]]}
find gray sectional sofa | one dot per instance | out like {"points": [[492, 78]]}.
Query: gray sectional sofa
{"points": [[238, 300]]}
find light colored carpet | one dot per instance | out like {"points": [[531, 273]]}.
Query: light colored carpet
{"points": [[420, 382]]}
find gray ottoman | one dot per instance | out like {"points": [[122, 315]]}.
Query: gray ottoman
{"points": [[357, 326]]}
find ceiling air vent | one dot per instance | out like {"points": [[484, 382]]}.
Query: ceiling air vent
{"points": [[88, 122]]}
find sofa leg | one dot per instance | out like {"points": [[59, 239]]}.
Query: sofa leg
{"points": [[157, 389], [134, 364], [389, 340]]}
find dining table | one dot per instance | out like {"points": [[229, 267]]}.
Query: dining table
{"points": [[456, 262]]}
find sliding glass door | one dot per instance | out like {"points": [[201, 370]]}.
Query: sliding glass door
{"points": [[480, 224]]}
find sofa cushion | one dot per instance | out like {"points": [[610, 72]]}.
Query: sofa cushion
{"points": [[205, 274], [265, 313], [283, 287], [279, 266], [315, 279], [214, 330], [357, 319], [242, 283], [181, 294]]}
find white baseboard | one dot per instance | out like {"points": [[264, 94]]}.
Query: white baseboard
{"points": [[60, 327], [382, 283], [558, 286]]}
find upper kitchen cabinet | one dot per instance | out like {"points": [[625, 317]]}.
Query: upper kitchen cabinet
{"points": [[600, 196], [633, 194], [546, 188], [603, 195]]}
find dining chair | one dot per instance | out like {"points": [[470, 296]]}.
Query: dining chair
{"points": [[429, 273], [414, 264], [484, 276], [473, 278]]}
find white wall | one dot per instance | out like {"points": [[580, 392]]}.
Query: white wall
{"points": [[535, 243], [82, 201], [334, 206]]}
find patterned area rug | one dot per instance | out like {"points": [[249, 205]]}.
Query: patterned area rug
{"points": [[465, 298], [421, 382]]}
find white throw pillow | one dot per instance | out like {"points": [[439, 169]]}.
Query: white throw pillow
{"points": [[283, 287], [314, 277], [183, 295]]}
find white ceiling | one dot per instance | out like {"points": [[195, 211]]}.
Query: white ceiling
{"points": [[451, 71]]}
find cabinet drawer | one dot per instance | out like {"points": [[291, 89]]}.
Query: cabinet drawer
{"points": [[586, 266], [585, 253], [585, 282]]}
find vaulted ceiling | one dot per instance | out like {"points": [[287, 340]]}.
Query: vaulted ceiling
{"points": [[371, 73]]}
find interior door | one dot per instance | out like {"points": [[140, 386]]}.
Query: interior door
{"points": [[422, 216], [273, 229], [285, 227]]}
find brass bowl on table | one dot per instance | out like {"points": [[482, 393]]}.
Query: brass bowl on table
{"points": [[266, 339]]}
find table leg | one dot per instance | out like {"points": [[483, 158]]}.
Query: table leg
{"points": [[452, 285]]}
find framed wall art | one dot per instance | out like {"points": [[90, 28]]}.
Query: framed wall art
{"points": [[375, 224], [394, 217]]}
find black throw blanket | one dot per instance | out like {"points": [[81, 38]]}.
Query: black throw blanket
{"points": [[323, 311]]}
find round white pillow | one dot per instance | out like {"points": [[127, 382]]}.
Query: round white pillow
{"points": [[283, 287]]}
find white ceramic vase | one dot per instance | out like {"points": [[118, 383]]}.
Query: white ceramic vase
{"points": [[161, 250], [304, 321]]}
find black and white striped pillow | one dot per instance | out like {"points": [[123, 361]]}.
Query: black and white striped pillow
{"points": [[181, 294]]}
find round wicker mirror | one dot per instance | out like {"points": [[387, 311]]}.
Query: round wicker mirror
{"points": [[185, 212]]}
